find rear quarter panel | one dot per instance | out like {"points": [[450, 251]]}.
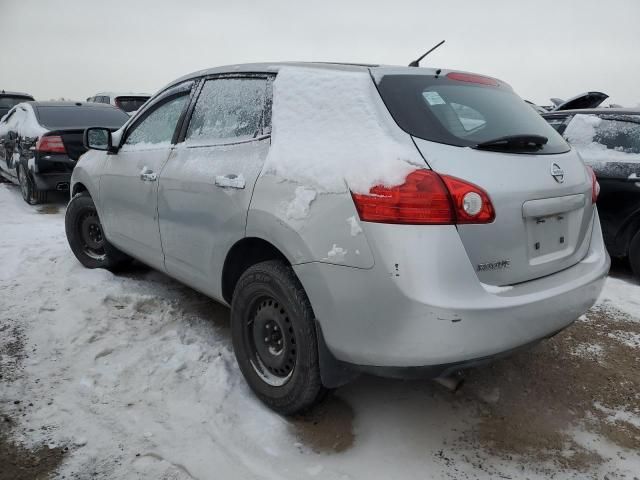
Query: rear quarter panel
{"points": [[330, 232]]}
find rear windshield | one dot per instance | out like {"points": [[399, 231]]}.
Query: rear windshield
{"points": [[80, 117], [7, 101], [461, 113], [130, 104]]}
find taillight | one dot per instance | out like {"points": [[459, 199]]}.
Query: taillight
{"points": [[426, 198], [595, 186], [51, 144]]}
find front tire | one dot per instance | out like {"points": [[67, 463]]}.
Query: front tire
{"points": [[86, 238], [274, 338], [634, 255], [30, 193]]}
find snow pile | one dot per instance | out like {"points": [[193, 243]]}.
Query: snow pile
{"points": [[328, 128], [581, 133], [24, 122]]}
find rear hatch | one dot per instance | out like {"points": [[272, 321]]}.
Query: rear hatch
{"points": [[584, 100], [477, 129]]}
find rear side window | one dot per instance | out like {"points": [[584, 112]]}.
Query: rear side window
{"points": [[158, 127], [229, 109], [130, 104], [56, 117], [462, 113], [622, 135], [10, 101]]}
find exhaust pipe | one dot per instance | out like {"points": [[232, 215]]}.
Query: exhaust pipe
{"points": [[62, 186], [452, 382]]}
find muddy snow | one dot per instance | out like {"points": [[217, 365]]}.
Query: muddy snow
{"points": [[132, 376]]}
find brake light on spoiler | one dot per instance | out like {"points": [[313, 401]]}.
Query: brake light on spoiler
{"points": [[426, 198]]}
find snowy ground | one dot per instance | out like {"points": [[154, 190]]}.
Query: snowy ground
{"points": [[132, 376]]}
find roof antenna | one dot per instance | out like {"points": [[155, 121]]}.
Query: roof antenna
{"points": [[416, 63]]}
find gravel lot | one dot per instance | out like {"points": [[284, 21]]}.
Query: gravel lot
{"points": [[132, 376]]}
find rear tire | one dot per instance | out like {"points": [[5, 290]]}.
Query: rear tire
{"points": [[274, 338], [634, 255], [86, 238], [30, 193]]}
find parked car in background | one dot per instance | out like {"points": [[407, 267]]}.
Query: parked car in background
{"points": [[583, 100], [40, 143], [129, 102], [400, 221], [10, 99], [608, 139]]}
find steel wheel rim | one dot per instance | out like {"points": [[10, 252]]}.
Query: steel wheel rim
{"points": [[90, 233], [271, 341]]}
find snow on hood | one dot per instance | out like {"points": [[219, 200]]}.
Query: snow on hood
{"points": [[581, 133], [329, 128]]}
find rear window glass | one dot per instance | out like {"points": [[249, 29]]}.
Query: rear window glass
{"points": [[463, 114], [621, 135], [80, 117], [11, 101], [130, 104]]}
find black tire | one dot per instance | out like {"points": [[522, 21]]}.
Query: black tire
{"points": [[274, 338], [85, 237], [30, 193], [634, 255]]}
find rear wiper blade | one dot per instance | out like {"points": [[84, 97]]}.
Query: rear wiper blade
{"points": [[514, 142]]}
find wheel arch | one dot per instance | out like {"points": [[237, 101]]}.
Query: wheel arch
{"points": [[242, 255]]}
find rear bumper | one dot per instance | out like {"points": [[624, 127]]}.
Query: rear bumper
{"points": [[52, 181], [422, 304]]}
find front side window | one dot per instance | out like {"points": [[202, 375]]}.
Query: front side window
{"points": [[228, 109], [158, 127]]}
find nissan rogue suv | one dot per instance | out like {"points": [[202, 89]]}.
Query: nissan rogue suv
{"points": [[356, 218]]}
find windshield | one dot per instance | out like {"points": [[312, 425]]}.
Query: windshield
{"points": [[130, 104], [463, 113], [57, 117]]}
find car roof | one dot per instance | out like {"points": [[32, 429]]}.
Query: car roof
{"points": [[16, 94], [594, 111], [274, 67], [121, 94], [68, 104]]}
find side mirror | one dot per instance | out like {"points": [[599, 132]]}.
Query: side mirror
{"points": [[97, 138]]}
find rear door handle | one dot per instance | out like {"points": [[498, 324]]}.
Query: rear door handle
{"points": [[148, 175], [230, 181]]}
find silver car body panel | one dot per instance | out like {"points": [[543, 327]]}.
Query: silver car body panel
{"points": [[422, 304], [201, 215], [512, 182], [384, 295]]}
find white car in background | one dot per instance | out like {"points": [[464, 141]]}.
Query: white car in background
{"points": [[129, 102]]}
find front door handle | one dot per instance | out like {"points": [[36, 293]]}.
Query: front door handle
{"points": [[148, 175], [230, 181]]}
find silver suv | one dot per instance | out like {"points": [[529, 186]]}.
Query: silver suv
{"points": [[356, 218]]}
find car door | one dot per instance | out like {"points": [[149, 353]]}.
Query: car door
{"points": [[7, 142], [129, 187], [206, 185]]}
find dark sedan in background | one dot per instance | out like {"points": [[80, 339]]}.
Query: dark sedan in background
{"points": [[608, 139], [8, 100], [40, 143]]}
